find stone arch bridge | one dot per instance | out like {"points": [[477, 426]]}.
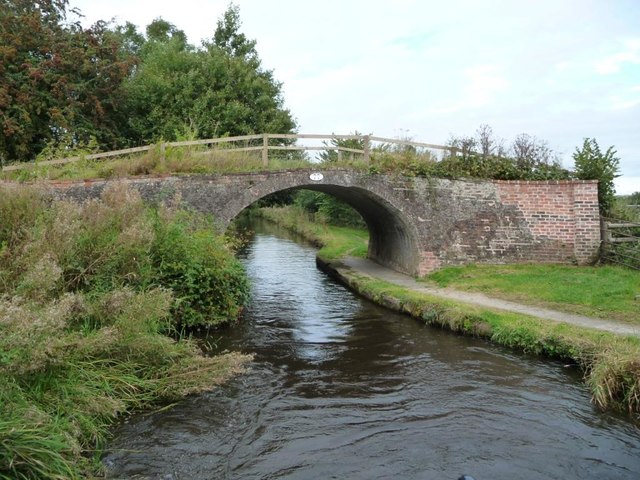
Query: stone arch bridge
{"points": [[416, 225]]}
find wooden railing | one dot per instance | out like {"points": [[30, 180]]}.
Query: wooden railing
{"points": [[264, 147], [620, 241]]}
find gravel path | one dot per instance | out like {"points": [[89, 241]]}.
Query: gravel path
{"points": [[372, 269]]}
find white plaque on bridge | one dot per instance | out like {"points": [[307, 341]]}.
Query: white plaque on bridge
{"points": [[316, 176]]}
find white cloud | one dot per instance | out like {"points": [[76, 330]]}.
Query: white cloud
{"points": [[627, 185], [614, 63], [482, 84], [485, 83]]}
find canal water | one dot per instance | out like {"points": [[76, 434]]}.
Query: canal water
{"points": [[343, 389]]}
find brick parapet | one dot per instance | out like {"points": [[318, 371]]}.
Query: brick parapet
{"points": [[562, 216]]}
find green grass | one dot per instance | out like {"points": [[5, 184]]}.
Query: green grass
{"points": [[175, 161], [604, 291]]}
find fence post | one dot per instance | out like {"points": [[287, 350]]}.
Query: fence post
{"points": [[339, 156], [605, 243], [163, 152], [367, 148], [265, 149]]}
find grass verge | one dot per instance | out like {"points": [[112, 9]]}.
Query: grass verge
{"points": [[611, 363], [604, 291], [174, 161]]}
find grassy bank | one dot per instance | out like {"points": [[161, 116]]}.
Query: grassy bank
{"points": [[611, 363], [91, 301], [605, 291], [334, 242]]}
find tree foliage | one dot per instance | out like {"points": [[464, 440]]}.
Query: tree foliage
{"points": [[326, 208], [592, 164], [63, 85], [214, 91], [58, 82], [331, 155]]}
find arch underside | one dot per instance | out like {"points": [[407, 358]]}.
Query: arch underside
{"points": [[392, 240]]}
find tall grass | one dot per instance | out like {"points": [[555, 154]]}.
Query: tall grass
{"points": [[198, 160], [87, 296]]}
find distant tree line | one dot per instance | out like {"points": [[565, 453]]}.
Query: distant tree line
{"points": [[63, 85]]}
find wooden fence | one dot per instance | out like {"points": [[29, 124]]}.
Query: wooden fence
{"points": [[230, 143], [620, 242]]}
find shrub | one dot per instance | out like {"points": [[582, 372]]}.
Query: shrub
{"points": [[209, 285], [592, 164]]}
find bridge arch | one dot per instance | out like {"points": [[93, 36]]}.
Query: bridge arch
{"points": [[393, 239]]}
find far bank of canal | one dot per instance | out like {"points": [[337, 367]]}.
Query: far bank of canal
{"points": [[342, 388]]}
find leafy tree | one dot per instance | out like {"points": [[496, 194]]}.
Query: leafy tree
{"points": [[162, 31], [58, 82], [592, 164], [331, 156], [230, 40], [217, 90], [327, 208]]}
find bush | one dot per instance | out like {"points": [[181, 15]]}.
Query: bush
{"points": [[592, 164], [209, 285], [328, 209]]}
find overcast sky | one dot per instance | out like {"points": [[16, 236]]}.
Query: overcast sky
{"points": [[560, 70]]}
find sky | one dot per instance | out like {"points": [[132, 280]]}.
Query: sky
{"points": [[559, 70]]}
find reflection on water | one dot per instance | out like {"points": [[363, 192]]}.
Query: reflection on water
{"points": [[292, 305], [343, 389]]}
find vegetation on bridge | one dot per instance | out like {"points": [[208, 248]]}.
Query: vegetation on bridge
{"points": [[93, 304]]}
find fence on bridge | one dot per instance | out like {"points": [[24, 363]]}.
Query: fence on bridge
{"points": [[264, 143]]}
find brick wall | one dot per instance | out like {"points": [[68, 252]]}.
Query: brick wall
{"points": [[562, 217]]}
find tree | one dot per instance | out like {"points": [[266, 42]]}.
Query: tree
{"points": [[217, 90], [331, 156], [592, 164], [488, 143], [530, 152], [59, 83], [230, 40]]}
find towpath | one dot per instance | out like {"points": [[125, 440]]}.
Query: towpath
{"points": [[374, 270]]}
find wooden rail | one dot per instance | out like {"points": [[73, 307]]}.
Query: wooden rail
{"points": [[265, 147], [619, 231], [618, 239]]}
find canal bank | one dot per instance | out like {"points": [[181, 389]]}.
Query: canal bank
{"points": [[607, 352]]}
